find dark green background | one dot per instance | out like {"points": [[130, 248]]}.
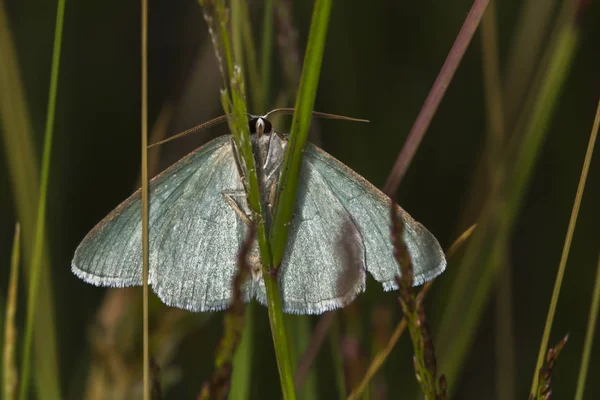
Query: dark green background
{"points": [[380, 61]]}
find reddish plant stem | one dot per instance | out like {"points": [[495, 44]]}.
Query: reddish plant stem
{"points": [[435, 97]]}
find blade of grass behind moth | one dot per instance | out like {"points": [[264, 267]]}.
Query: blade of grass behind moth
{"points": [[286, 196], [496, 139], [337, 358], [249, 51], [455, 335], [310, 353], [566, 248], [589, 336], [144, 170], [288, 51], [38, 246], [434, 97], [266, 54], [9, 365], [300, 335], [524, 52], [242, 360]]}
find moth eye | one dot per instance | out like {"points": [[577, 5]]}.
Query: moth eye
{"points": [[268, 126], [252, 125]]}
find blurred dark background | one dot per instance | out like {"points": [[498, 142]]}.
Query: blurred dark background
{"points": [[380, 61]]}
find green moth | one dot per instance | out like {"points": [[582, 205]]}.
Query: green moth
{"points": [[199, 219]]}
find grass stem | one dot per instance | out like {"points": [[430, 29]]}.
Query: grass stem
{"points": [[565, 254], [9, 366], [38, 247], [589, 336]]}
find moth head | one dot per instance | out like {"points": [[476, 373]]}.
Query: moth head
{"points": [[260, 126]]}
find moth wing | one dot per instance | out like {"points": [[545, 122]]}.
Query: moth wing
{"points": [[369, 209], [323, 267], [194, 235]]}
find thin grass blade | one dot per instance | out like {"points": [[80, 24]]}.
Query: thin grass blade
{"points": [[38, 247], [589, 336], [9, 363], [565, 252], [24, 174]]}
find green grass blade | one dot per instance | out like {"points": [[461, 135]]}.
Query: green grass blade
{"points": [[567, 45], [300, 336], [311, 70], [242, 360], [589, 336], [496, 140], [38, 246], [23, 170], [9, 366], [524, 52], [567, 246]]}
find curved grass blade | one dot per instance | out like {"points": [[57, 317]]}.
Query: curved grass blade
{"points": [[567, 246], [496, 140], [9, 365], [38, 247]]}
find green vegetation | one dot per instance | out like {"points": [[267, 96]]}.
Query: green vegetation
{"points": [[504, 150]]}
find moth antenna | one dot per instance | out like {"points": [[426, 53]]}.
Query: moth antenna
{"points": [[289, 111], [196, 128]]}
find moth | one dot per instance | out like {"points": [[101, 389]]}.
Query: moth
{"points": [[199, 218]]}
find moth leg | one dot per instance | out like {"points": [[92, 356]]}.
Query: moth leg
{"points": [[272, 194], [269, 151], [274, 169], [229, 197]]}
